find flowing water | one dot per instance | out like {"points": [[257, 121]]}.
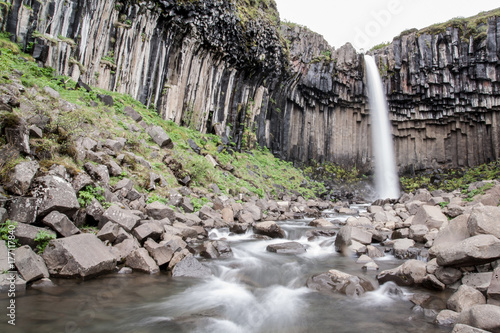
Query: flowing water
{"points": [[253, 292], [386, 176]]}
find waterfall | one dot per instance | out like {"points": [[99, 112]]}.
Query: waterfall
{"points": [[386, 177]]}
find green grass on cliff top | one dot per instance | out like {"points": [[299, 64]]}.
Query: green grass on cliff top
{"points": [[474, 26], [256, 172]]}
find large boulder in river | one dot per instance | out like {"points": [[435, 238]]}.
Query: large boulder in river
{"points": [[484, 220], [269, 228], [483, 316], [191, 267], [410, 273], [56, 194], [335, 281], [477, 250], [348, 234], [81, 256]]}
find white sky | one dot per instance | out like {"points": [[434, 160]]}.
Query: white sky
{"points": [[365, 23]]}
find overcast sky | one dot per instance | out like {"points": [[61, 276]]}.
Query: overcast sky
{"points": [[365, 23]]}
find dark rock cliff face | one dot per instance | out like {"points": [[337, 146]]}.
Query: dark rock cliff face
{"points": [[201, 63]]}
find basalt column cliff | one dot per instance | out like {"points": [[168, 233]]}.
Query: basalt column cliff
{"points": [[229, 66]]}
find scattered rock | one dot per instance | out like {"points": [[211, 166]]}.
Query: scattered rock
{"points": [[141, 261], [335, 281], [269, 228], [410, 273], [191, 267], [61, 224], [20, 177], [464, 298], [483, 316], [160, 137], [29, 264], [56, 194], [286, 248], [124, 218], [81, 256], [475, 250]]}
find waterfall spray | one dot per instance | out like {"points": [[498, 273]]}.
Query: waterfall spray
{"points": [[386, 177]]}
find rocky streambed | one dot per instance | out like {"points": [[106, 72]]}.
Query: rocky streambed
{"points": [[409, 266]]}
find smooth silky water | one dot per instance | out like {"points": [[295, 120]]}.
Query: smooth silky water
{"points": [[254, 291]]}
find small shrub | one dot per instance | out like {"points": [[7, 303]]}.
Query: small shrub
{"points": [[90, 193], [7, 233], [42, 239]]}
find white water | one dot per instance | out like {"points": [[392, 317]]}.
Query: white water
{"points": [[386, 177]]}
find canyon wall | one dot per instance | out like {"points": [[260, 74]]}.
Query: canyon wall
{"points": [[231, 63]]}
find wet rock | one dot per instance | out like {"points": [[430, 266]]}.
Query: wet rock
{"points": [[464, 298], [410, 273], [374, 252], [216, 249], [61, 224], [347, 235], [6, 281], [447, 318], [191, 267], [431, 282], [141, 261], [29, 264], [471, 251], [125, 218], [43, 283], [56, 194], [20, 177], [335, 281], [484, 220], [401, 248], [81, 256], [483, 316], [269, 228], [286, 248], [321, 223]]}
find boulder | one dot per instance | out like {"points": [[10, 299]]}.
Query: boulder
{"points": [[348, 234], [418, 232], [20, 177], [410, 273], [363, 222], [374, 252], [6, 281], [448, 275], [160, 137], [191, 267], [23, 209], [447, 318], [151, 230], [216, 249], [494, 288], [161, 253], [227, 214], [158, 211], [484, 220], [27, 233], [141, 261], [122, 250], [461, 328], [431, 282], [99, 172], [56, 194], [269, 228], [321, 223], [286, 248], [401, 247], [61, 224], [81, 181], [479, 281], [125, 218], [254, 210], [464, 298], [29, 264], [129, 111], [83, 256], [475, 250], [483, 316], [431, 216], [334, 281], [456, 231], [18, 136], [206, 213], [109, 232], [114, 145]]}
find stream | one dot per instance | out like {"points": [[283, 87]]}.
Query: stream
{"points": [[255, 291]]}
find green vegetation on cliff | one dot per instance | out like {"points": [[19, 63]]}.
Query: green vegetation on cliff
{"points": [[265, 10], [253, 172]]}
